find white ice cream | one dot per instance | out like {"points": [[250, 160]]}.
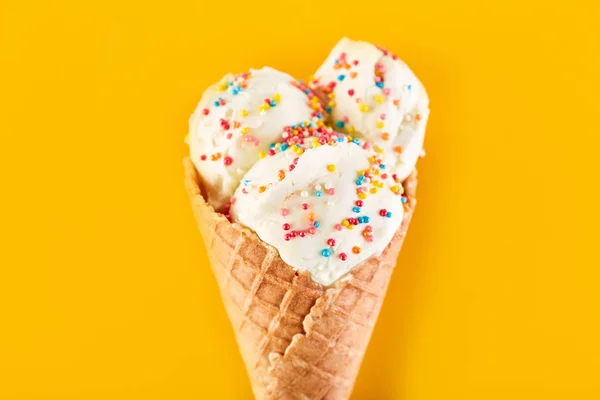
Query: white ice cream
{"points": [[372, 93], [306, 198], [238, 118]]}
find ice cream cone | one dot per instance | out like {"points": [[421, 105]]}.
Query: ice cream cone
{"points": [[298, 339]]}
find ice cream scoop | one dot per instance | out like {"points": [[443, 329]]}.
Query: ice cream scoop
{"points": [[373, 94], [237, 119], [325, 200]]}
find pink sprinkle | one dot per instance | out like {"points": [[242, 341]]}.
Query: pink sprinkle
{"points": [[355, 62], [382, 117], [338, 227], [312, 231], [331, 191], [229, 136], [345, 119], [283, 212], [387, 91]]}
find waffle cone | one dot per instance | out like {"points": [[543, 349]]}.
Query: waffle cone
{"points": [[298, 339]]}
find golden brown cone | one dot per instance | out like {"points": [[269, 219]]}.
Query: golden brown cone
{"points": [[298, 339]]}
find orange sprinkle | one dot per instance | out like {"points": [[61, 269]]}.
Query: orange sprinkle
{"points": [[353, 74], [262, 189], [385, 136], [215, 156], [356, 250], [417, 117], [398, 149]]}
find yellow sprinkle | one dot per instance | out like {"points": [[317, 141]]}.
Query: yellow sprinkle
{"points": [[362, 195], [380, 124], [331, 95], [345, 222], [361, 172], [377, 172], [350, 227], [244, 113], [300, 151], [378, 150], [379, 99], [364, 107], [350, 129], [245, 130], [277, 145], [277, 97], [315, 106], [331, 168], [373, 190], [187, 138], [331, 104], [222, 87], [320, 123], [261, 155]]}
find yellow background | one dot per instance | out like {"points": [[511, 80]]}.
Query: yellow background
{"points": [[105, 291]]}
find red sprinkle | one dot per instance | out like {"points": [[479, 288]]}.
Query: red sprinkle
{"points": [[383, 212], [343, 256], [203, 157], [205, 111], [331, 242], [351, 92], [304, 206], [287, 237], [302, 233], [286, 227], [227, 160], [359, 203]]}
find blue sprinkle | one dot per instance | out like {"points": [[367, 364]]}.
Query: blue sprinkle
{"points": [[409, 87], [389, 214], [246, 182], [403, 200], [336, 61], [284, 146], [272, 146], [366, 219], [325, 252], [273, 103], [359, 182], [360, 220], [339, 124], [307, 91], [328, 109], [319, 115], [382, 166], [379, 85], [229, 84], [340, 139], [216, 103], [356, 141], [356, 209], [317, 224], [319, 193], [301, 124], [300, 81], [341, 77], [298, 145]]}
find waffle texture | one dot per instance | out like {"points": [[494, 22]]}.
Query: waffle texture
{"points": [[298, 339]]}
